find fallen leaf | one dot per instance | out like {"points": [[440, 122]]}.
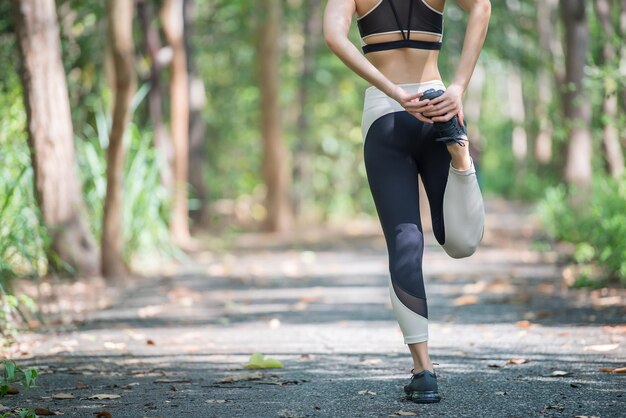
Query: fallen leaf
{"points": [[404, 414], [150, 342], [240, 377], [465, 300], [524, 324], [618, 329], [517, 361], [257, 361], [12, 390], [104, 396], [175, 380], [372, 361], [63, 396], [44, 412], [555, 407], [366, 392], [215, 401], [601, 347], [612, 370], [557, 373], [104, 414], [81, 385]]}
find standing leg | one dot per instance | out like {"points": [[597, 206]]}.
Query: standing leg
{"points": [[391, 168]]}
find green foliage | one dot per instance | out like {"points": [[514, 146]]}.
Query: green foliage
{"points": [[12, 373], [598, 231], [145, 200]]}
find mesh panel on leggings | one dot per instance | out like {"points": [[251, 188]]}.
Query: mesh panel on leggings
{"points": [[417, 305]]}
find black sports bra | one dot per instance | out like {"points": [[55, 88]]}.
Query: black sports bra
{"points": [[380, 19]]}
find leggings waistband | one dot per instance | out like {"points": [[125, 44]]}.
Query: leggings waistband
{"points": [[377, 104]]}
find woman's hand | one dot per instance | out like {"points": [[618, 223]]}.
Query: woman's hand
{"points": [[412, 104], [446, 106]]}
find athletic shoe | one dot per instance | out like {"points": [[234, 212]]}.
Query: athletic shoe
{"points": [[423, 387], [450, 131]]}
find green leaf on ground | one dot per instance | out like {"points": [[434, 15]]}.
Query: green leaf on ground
{"points": [[257, 361]]}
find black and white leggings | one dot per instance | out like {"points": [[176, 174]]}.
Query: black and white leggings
{"points": [[397, 147]]}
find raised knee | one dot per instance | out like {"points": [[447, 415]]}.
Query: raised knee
{"points": [[460, 251]]}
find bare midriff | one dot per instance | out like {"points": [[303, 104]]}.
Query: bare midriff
{"points": [[405, 65]]}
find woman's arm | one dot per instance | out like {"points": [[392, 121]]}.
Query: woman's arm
{"points": [[450, 103], [337, 19]]}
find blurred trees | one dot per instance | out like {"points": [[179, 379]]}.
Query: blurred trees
{"points": [[50, 137], [121, 45], [264, 124]]}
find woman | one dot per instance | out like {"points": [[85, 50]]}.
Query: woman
{"points": [[406, 133]]}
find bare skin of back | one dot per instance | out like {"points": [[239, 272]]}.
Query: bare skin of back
{"points": [[404, 65]]}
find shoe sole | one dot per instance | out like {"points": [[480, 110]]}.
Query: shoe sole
{"points": [[424, 397]]}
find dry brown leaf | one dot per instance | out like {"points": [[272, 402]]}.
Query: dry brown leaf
{"points": [[175, 380], [465, 300], [240, 377], [366, 392], [150, 342], [44, 412], [104, 396], [524, 324], [517, 361], [63, 396], [618, 329], [104, 414], [555, 407], [12, 390], [612, 370], [81, 385]]}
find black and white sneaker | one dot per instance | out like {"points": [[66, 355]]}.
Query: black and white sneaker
{"points": [[450, 131], [423, 387]]}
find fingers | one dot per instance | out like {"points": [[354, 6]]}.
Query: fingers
{"points": [[444, 118], [422, 118], [441, 110]]}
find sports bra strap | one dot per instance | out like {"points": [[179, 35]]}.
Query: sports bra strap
{"points": [[404, 43], [395, 14]]}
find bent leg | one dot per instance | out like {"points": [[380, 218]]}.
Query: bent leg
{"points": [[455, 199]]}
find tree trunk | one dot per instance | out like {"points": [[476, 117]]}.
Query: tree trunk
{"points": [[50, 137], [303, 167], [519, 139], [577, 107], [612, 148], [622, 63], [153, 49], [547, 38], [276, 158], [120, 39], [197, 128], [173, 26]]}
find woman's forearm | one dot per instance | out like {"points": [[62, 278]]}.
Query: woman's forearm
{"points": [[477, 23], [337, 20], [350, 55]]}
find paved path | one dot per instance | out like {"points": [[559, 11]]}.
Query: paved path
{"points": [[322, 308]]}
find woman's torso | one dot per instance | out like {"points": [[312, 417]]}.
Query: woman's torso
{"points": [[403, 65]]}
